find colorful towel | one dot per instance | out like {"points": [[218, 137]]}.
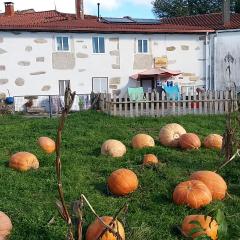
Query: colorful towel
{"points": [[136, 94], [172, 92]]}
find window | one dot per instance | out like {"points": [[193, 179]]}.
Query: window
{"points": [[98, 44], [142, 46], [63, 84], [100, 84], [62, 43]]}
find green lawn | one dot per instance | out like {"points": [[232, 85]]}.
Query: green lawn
{"points": [[29, 197]]}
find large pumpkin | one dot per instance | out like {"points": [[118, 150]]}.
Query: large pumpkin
{"points": [[208, 225], [150, 159], [194, 194], [213, 181], [189, 141], [214, 141], [96, 228], [122, 182], [47, 144], [5, 226], [113, 148], [142, 140], [169, 134], [23, 161]]}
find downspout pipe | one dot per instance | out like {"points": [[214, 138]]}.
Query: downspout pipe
{"points": [[215, 59], [207, 61]]}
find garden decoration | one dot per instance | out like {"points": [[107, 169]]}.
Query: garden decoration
{"points": [[109, 227], [96, 228], [189, 141], [169, 134], [9, 99], [194, 194], [113, 148], [142, 140], [23, 161], [213, 181], [194, 226], [46, 144], [5, 226], [150, 159], [213, 141], [122, 182]]}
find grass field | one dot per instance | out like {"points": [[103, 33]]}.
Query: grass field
{"points": [[29, 197]]}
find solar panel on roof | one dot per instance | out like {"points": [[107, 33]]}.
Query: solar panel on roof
{"points": [[146, 21], [130, 20], [117, 20]]}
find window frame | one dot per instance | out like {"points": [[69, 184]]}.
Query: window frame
{"points": [[106, 78], [98, 45], [142, 45], [56, 43]]}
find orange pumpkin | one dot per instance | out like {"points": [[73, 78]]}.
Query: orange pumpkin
{"points": [[23, 161], [142, 140], [113, 148], [47, 144], [214, 141], [150, 159], [213, 181], [96, 228], [193, 193], [122, 182], [208, 225], [189, 141], [169, 134], [5, 225]]}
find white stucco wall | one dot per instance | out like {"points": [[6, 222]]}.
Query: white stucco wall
{"points": [[23, 75], [227, 57]]}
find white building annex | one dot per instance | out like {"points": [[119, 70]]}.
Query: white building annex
{"points": [[42, 52]]}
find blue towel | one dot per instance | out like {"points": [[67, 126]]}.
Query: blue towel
{"points": [[172, 92]]}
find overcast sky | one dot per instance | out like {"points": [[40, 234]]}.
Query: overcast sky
{"points": [[113, 8]]}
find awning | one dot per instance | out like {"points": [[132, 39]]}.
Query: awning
{"points": [[159, 72]]}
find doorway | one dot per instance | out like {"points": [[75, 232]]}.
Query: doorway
{"points": [[147, 84]]}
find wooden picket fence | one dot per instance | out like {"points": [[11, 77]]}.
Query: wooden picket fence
{"points": [[156, 105]]}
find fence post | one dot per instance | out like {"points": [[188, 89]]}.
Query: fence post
{"points": [[200, 96], [152, 113], [126, 105], [50, 106], [120, 105], [114, 105], [163, 103], [157, 105], [147, 104], [216, 102], [184, 98]]}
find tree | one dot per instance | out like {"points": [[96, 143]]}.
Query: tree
{"points": [[175, 8], [237, 6]]}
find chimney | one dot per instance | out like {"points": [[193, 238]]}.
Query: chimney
{"points": [[98, 12], [79, 9], [226, 12], [9, 8]]}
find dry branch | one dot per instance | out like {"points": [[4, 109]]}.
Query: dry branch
{"points": [[61, 205], [62, 208]]}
